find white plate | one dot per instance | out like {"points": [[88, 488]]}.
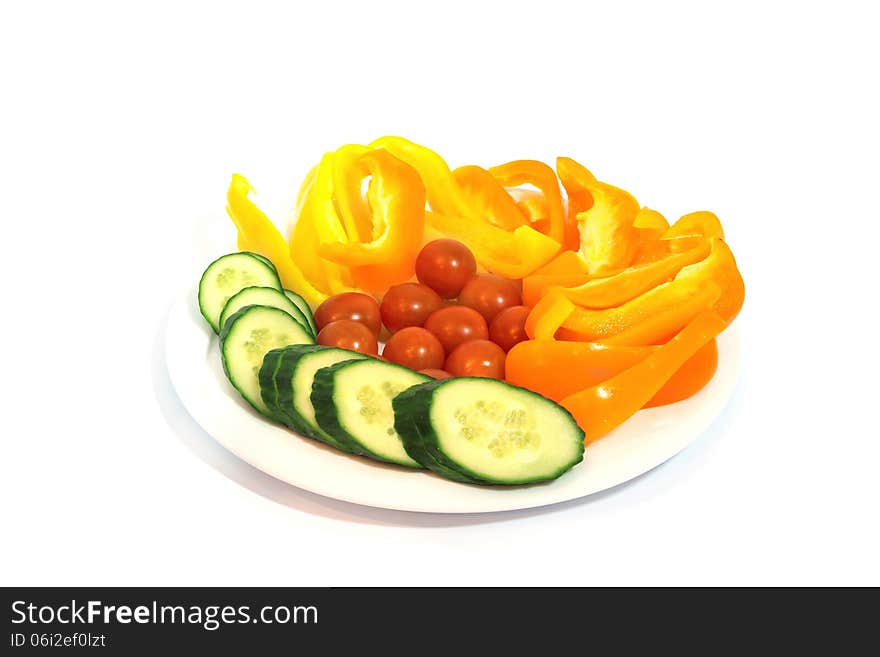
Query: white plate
{"points": [[643, 442]]}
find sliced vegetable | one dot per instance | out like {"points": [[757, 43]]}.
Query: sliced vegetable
{"points": [[600, 408], [258, 234], [245, 339], [226, 276], [352, 402], [303, 305], [262, 296], [292, 385], [486, 431]]}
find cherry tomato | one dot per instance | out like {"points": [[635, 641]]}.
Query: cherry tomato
{"points": [[476, 358], [436, 374], [445, 266], [509, 327], [349, 334], [454, 325], [489, 295], [350, 305], [415, 348], [408, 304]]}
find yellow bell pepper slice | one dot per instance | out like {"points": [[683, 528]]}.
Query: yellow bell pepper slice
{"points": [[533, 172], [440, 187], [396, 210], [258, 234], [512, 254]]}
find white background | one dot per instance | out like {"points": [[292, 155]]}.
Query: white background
{"points": [[122, 124]]}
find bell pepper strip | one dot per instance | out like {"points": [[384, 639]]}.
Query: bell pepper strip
{"points": [[531, 204], [348, 174], [652, 250], [557, 368], [720, 267], [487, 198], [258, 234], [590, 325], [696, 223], [533, 172], [648, 218], [328, 226], [567, 263], [661, 326], [512, 254], [535, 286], [630, 283], [690, 377], [440, 187], [608, 239], [396, 201], [602, 407], [546, 318], [577, 180]]}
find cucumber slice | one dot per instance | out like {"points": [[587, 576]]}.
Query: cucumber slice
{"points": [[227, 275], [303, 305], [292, 388], [352, 402], [262, 296], [263, 258], [266, 379], [486, 431], [246, 338]]}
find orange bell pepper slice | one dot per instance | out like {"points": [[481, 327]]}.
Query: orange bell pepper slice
{"points": [[648, 218], [533, 172], [531, 204], [258, 234], [536, 364], [396, 198], [690, 378], [696, 223], [604, 215], [630, 283], [689, 286], [577, 180], [602, 407], [488, 198], [567, 263], [659, 327], [536, 286], [719, 267], [546, 318], [557, 368]]}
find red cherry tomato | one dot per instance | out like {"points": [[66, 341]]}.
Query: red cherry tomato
{"points": [[455, 325], [415, 348], [489, 295], [509, 327], [350, 305], [476, 358], [349, 334], [408, 304], [445, 266], [436, 374]]}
